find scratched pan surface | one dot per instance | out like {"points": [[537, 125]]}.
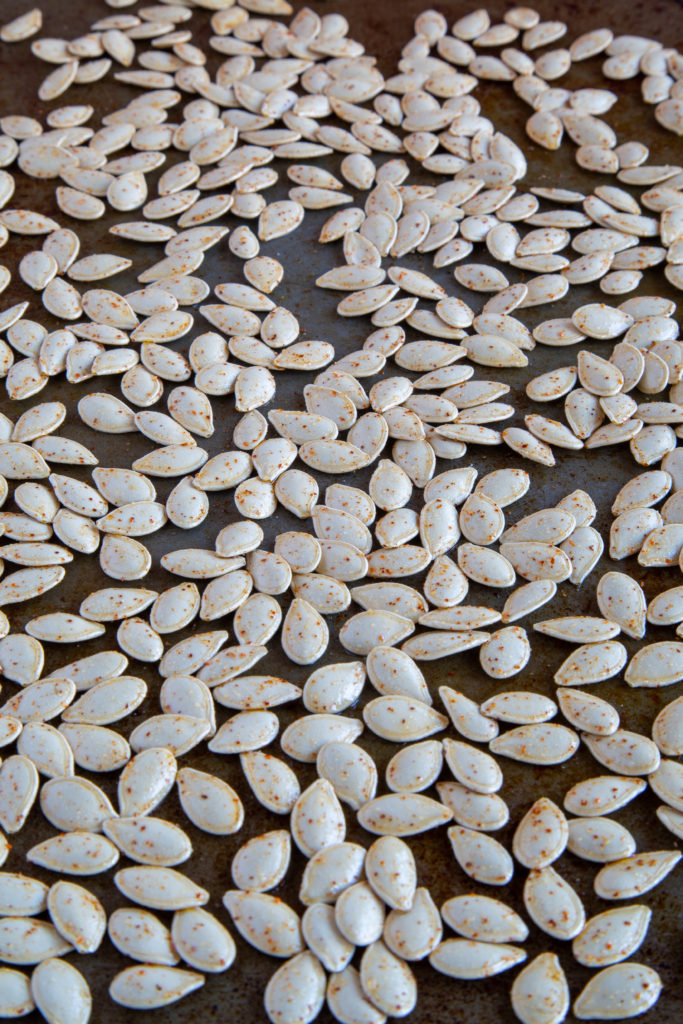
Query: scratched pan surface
{"points": [[383, 28]]}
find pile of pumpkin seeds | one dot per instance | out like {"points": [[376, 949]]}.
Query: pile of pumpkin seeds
{"points": [[409, 520]]}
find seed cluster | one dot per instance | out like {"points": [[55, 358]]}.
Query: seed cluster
{"points": [[411, 520]]}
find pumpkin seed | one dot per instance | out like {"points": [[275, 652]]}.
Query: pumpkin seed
{"points": [[635, 875], [553, 904], [297, 988], [75, 803], [17, 1000], [591, 663], [654, 665], [623, 990], [266, 923], [484, 919], [150, 986], [539, 993], [274, 784], [140, 935], [588, 712], [75, 853], [387, 980], [626, 752], [78, 915], [537, 744], [466, 958], [480, 856], [541, 835]]}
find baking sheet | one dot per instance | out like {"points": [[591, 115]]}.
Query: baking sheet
{"points": [[237, 995]]}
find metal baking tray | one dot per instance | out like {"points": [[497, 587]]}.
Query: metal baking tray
{"points": [[237, 995]]}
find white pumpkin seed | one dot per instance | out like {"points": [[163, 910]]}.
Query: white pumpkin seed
{"points": [[150, 986], [466, 958], [539, 993], [296, 991], [210, 803], [624, 990], [635, 875], [267, 923], [78, 915], [483, 919], [553, 904], [75, 853]]}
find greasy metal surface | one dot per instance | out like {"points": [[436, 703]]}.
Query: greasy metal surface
{"points": [[383, 27]]}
